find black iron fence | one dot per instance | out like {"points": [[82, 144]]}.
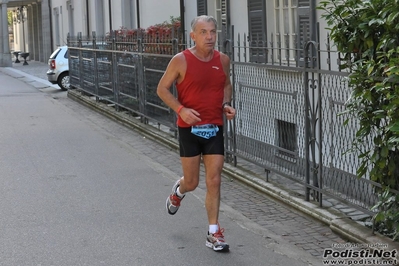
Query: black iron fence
{"points": [[288, 106]]}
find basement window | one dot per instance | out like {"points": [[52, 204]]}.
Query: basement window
{"points": [[286, 140]]}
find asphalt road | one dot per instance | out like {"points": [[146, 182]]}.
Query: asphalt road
{"points": [[75, 189]]}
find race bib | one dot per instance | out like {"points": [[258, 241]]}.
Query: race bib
{"points": [[205, 131]]}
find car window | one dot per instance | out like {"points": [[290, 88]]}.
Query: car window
{"points": [[66, 54], [55, 53]]}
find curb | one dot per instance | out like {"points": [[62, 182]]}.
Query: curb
{"points": [[337, 221], [32, 80]]}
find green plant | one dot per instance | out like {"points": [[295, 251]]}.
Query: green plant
{"points": [[366, 34], [9, 18], [157, 38], [387, 218]]}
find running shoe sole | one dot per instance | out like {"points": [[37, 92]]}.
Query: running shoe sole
{"points": [[219, 248]]}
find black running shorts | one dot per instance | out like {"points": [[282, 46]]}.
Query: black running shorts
{"points": [[192, 145]]}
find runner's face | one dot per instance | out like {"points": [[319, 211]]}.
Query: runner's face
{"points": [[204, 35]]}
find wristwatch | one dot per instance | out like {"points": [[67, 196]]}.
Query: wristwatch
{"points": [[226, 103]]}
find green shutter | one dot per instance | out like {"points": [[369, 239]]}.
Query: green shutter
{"points": [[257, 30], [304, 28], [224, 12], [202, 8]]}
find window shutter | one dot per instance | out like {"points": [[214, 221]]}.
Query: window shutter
{"points": [[222, 16], [257, 30], [224, 12], [202, 8], [304, 29]]}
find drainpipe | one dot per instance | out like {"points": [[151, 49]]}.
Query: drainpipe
{"points": [[87, 18], [110, 15], [138, 13], [228, 18], [182, 21], [313, 19]]}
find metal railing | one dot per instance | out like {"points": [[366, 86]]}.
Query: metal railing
{"points": [[288, 106]]}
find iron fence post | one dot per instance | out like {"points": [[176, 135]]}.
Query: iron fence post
{"points": [[95, 65], [69, 54], [80, 60], [319, 103], [313, 125], [114, 71], [175, 48], [141, 78], [230, 126], [307, 125]]}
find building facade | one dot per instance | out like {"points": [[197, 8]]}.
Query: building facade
{"points": [[101, 16], [39, 26]]}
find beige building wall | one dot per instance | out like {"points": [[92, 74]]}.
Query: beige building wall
{"points": [[153, 12], [86, 16]]}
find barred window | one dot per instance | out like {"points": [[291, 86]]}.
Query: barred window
{"points": [[286, 138], [292, 28]]}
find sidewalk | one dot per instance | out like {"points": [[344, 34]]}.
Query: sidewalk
{"points": [[278, 207]]}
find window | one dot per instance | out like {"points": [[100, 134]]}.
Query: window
{"points": [[202, 7], [285, 12], [286, 138], [292, 28], [257, 30]]}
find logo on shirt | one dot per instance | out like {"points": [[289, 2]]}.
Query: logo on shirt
{"points": [[215, 67]]}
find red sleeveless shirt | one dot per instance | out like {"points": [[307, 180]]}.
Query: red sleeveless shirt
{"points": [[202, 89]]}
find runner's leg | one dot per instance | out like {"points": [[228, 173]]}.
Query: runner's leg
{"points": [[213, 170]]}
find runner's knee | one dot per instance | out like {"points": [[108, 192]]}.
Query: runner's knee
{"points": [[213, 182], [190, 185]]}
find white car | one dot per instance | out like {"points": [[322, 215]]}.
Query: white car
{"points": [[59, 68]]}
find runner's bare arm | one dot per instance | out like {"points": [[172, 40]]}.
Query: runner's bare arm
{"points": [[175, 73]]}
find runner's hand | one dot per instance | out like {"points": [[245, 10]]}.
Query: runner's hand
{"points": [[229, 111], [190, 116]]}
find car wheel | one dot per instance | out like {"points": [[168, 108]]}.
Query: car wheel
{"points": [[63, 81]]}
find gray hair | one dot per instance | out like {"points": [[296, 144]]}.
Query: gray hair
{"points": [[204, 18]]}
